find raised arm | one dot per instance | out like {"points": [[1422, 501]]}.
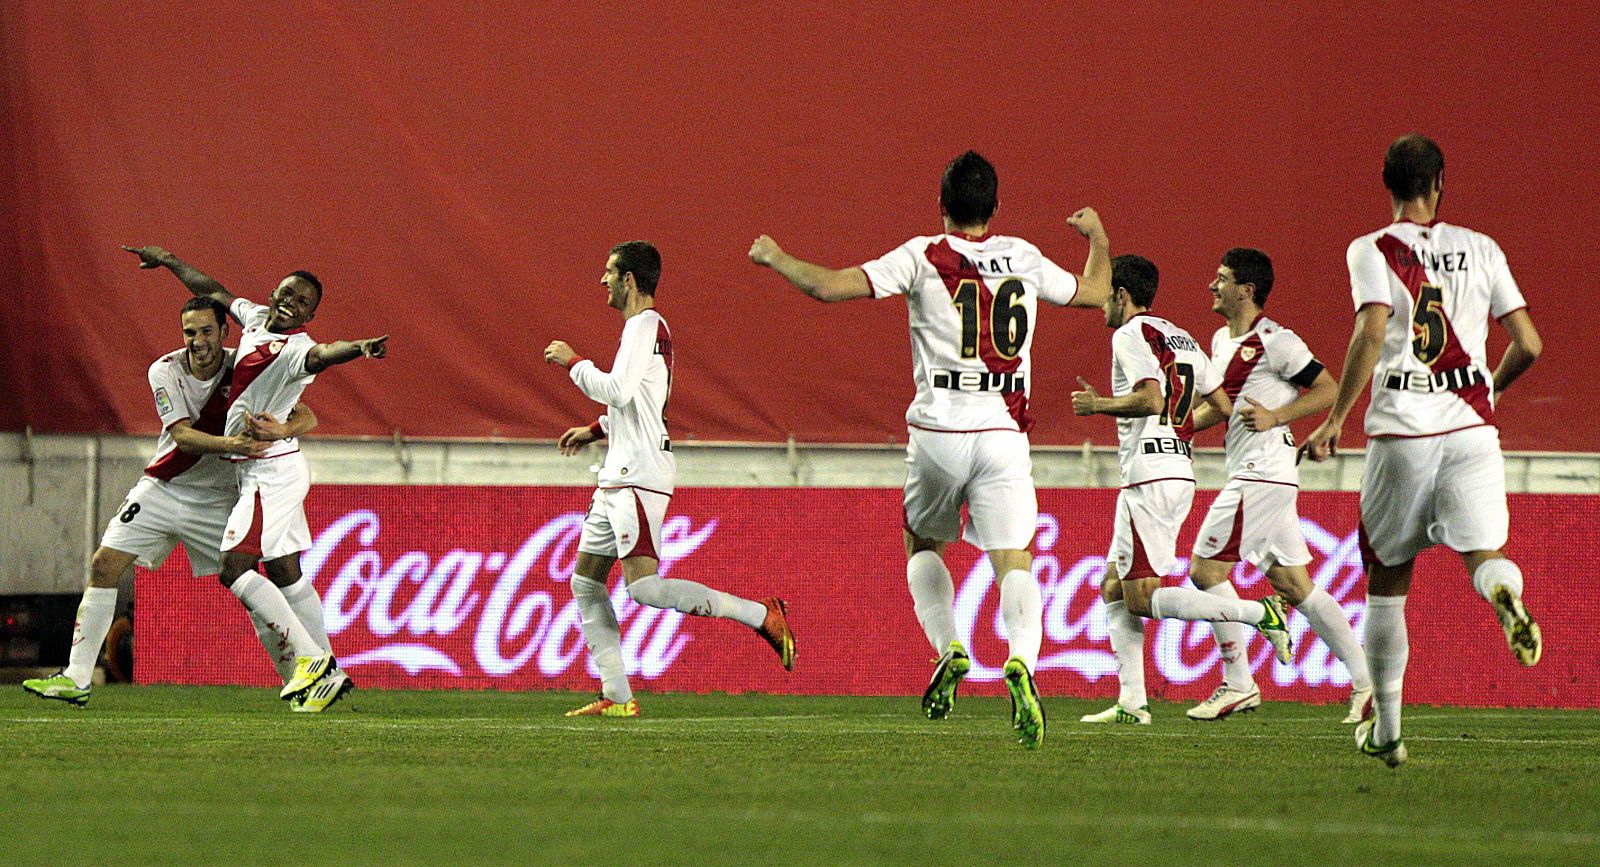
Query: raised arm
{"points": [[1094, 284], [823, 284], [192, 277], [1520, 355], [1366, 343], [325, 355], [617, 386]]}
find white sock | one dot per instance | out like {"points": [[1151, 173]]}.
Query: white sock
{"points": [[1388, 648], [1187, 603], [603, 635], [697, 599], [89, 633], [1231, 644], [307, 605], [1127, 642], [276, 645], [1022, 607], [264, 598], [933, 595], [1328, 622], [1492, 573]]}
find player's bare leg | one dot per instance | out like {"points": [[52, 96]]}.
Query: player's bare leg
{"points": [[603, 635], [73, 683], [1127, 644], [1388, 649], [933, 596], [1499, 581], [769, 617], [1238, 692]]}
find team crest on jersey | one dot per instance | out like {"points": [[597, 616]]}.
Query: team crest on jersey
{"points": [[163, 402], [275, 347], [1248, 353]]}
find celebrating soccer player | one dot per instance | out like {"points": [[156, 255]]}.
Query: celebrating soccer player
{"points": [[973, 300], [635, 485], [1159, 376], [1424, 291]]}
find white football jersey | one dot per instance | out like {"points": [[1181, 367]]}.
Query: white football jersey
{"points": [[179, 395], [1441, 283], [1269, 364], [269, 374], [1157, 447], [635, 393], [973, 304]]}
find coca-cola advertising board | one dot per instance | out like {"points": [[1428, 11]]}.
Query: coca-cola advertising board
{"points": [[466, 588]]}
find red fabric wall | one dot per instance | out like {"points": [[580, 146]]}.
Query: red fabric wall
{"points": [[456, 172]]}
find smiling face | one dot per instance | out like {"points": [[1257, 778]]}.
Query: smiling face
{"points": [[1228, 295], [616, 283], [292, 304], [202, 337]]}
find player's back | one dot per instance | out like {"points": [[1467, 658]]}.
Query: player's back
{"points": [[1148, 347], [1442, 284], [639, 451], [973, 306]]}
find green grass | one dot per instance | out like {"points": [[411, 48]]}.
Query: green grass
{"points": [[214, 775]]}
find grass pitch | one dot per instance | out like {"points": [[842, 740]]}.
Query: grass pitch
{"points": [[216, 775]]}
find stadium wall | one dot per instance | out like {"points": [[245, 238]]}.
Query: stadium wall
{"points": [[456, 172], [465, 587]]}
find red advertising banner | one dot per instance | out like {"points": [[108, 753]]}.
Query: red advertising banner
{"points": [[466, 587]]}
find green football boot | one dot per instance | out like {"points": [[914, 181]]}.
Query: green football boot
{"points": [[940, 696], [1027, 713], [59, 687]]}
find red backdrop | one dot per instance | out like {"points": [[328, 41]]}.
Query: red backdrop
{"points": [[456, 172], [465, 587]]}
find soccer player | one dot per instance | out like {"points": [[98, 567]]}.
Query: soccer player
{"points": [[1159, 376], [635, 485], [973, 300], [1254, 516], [277, 359], [1424, 291], [184, 496]]}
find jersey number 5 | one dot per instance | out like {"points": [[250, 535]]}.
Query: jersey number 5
{"points": [[1008, 319], [1428, 327]]}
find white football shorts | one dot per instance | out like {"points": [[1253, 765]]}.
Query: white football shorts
{"points": [[269, 519], [624, 522], [157, 515], [990, 471], [1447, 490], [1256, 522], [1144, 536]]}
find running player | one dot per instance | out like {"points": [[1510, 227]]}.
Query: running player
{"points": [[1254, 516], [636, 484], [1159, 376], [973, 300], [1424, 291], [184, 496], [277, 359]]}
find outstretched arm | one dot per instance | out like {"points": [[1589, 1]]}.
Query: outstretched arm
{"points": [[823, 284], [325, 355], [1094, 284], [192, 277]]}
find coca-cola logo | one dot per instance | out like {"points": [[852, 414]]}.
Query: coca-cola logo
{"points": [[515, 605], [415, 609]]}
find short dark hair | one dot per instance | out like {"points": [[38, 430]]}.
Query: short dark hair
{"points": [[1136, 274], [970, 190], [206, 303], [309, 278], [1411, 165], [642, 260], [1250, 265]]}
